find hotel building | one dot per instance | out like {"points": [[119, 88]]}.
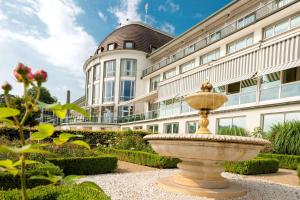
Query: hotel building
{"points": [[249, 50]]}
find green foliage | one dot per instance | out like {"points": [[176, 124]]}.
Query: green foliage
{"points": [[73, 192], [258, 133], [9, 181], [45, 95], [142, 158], [252, 167], [285, 161], [86, 165], [285, 138], [236, 131]]}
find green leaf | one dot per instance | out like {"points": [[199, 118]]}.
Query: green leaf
{"points": [[66, 136], [44, 131], [6, 163], [76, 108], [91, 185], [8, 112], [27, 162], [52, 179], [57, 141], [7, 122], [4, 149], [71, 179], [81, 143], [13, 171]]}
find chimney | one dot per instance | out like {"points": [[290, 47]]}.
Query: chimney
{"points": [[68, 96]]}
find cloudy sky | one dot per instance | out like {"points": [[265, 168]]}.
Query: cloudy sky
{"points": [[59, 35]]}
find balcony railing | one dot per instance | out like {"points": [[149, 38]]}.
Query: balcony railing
{"points": [[258, 14]]}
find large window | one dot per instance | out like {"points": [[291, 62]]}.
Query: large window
{"points": [[171, 128], [107, 114], [89, 76], [248, 91], [192, 126], [246, 21], [169, 107], [127, 90], [153, 128], [240, 44], [154, 82], [128, 67], [269, 88], [282, 26], [96, 72], [271, 119], [109, 68], [128, 45], [111, 46], [187, 66], [125, 111], [291, 83], [109, 90], [169, 74], [238, 122], [96, 93], [213, 55]]}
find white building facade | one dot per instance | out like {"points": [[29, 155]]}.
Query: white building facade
{"points": [[249, 50]]}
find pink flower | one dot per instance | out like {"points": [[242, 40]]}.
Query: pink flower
{"points": [[40, 76], [6, 87], [23, 73]]}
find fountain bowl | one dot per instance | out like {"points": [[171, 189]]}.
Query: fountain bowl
{"points": [[205, 100], [202, 156]]}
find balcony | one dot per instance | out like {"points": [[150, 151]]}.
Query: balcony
{"points": [[239, 24]]}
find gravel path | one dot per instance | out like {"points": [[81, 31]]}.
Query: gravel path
{"points": [[141, 186]]}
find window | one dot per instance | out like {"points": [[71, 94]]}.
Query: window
{"points": [[127, 90], [282, 26], [233, 88], [238, 122], [248, 91], [189, 49], [96, 72], [107, 114], [128, 45], [154, 82], [169, 74], [246, 21], [271, 119], [281, 3], [240, 44], [213, 55], [152, 48], [109, 68], [172, 128], [291, 75], [192, 126], [291, 83], [128, 67], [95, 93], [111, 46], [153, 128], [187, 66], [89, 76], [169, 107], [109, 91], [89, 95], [270, 86], [215, 36], [137, 127], [125, 111]]}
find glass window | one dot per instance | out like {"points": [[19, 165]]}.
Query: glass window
{"points": [[127, 90], [111, 46], [215, 36], [295, 22], [270, 86], [154, 82], [269, 32], [213, 55], [281, 27], [95, 93], [128, 67], [125, 111], [172, 128], [109, 68], [246, 21], [233, 88], [169, 74], [192, 126], [89, 76], [272, 119], [220, 89], [238, 122], [109, 91], [291, 84], [96, 72], [153, 128], [240, 44], [152, 48], [107, 114], [187, 66], [292, 116], [248, 91], [89, 95], [291, 75], [128, 45], [189, 49]]}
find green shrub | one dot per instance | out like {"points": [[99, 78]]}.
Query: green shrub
{"points": [[74, 192], [285, 138], [86, 165], [285, 161], [142, 158], [8, 181], [237, 131], [251, 167]]}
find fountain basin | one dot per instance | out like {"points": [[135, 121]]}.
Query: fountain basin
{"points": [[202, 156], [205, 100]]}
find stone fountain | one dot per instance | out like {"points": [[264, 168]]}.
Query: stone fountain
{"points": [[202, 154]]}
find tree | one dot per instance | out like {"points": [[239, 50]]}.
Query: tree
{"points": [[45, 95]]}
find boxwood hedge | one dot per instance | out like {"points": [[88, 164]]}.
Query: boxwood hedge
{"points": [[142, 158], [285, 161], [73, 192], [251, 167], [86, 165]]}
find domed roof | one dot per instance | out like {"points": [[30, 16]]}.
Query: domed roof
{"points": [[143, 37]]}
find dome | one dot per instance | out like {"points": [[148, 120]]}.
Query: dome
{"points": [[141, 36]]}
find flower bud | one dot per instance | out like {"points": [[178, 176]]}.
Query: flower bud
{"points": [[40, 76], [23, 73], [6, 87]]}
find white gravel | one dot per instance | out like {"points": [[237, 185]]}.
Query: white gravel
{"points": [[142, 186]]}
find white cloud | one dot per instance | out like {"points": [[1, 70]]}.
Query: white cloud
{"points": [[2, 16], [126, 11], [102, 16], [170, 6], [167, 27]]}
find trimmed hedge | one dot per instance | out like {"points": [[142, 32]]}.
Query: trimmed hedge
{"points": [[237, 131], [86, 165], [142, 158], [252, 167], [73, 192], [8, 181], [285, 161]]}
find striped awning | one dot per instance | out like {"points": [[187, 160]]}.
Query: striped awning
{"points": [[236, 79], [278, 68]]}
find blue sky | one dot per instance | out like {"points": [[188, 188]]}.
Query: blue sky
{"points": [[59, 35]]}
